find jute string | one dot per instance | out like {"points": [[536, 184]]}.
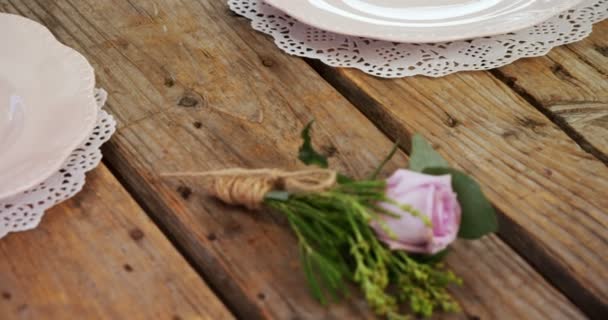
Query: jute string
{"points": [[248, 187]]}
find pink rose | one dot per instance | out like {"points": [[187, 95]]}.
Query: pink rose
{"points": [[434, 198]]}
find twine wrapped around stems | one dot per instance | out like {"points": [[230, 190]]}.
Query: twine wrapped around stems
{"points": [[248, 187]]}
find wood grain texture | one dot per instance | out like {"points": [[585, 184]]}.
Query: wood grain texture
{"points": [[98, 256], [194, 88], [570, 85], [594, 49], [552, 194]]}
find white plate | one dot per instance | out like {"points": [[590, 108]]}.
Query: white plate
{"points": [[422, 21], [47, 104]]}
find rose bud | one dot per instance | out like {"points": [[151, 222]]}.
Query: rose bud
{"points": [[434, 221]]}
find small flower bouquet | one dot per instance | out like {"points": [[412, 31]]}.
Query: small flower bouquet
{"points": [[386, 236]]}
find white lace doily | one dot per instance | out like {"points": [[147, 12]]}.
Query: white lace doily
{"points": [[393, 60], [24, 211]]}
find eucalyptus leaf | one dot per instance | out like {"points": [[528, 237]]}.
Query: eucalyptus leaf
{"points": [[424, 156], [307, 153], [478, 215]]}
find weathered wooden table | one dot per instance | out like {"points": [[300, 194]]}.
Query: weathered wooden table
{"points": [[195, 88]]}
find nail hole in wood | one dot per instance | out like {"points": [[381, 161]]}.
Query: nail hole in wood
{"points": [[169, 82], [188, 102], [136, 234], [266, 62], [451, 121], [184, 192]]}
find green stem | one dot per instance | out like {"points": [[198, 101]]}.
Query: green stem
{"points": [[376, 172]]}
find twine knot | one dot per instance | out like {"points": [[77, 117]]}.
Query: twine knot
{"points": [[248, 187]]}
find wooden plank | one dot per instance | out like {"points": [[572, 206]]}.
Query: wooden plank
{"points": [[552, 194], [594, 49], [98, 256], [194, 88], [570, 85]]}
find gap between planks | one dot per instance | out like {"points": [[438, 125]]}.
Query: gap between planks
{"points": [[559, 121]]}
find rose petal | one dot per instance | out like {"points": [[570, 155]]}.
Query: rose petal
{"points": [[407, 228], [404, 181], [396, 245]]}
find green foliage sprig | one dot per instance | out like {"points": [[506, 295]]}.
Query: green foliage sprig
{"points": [[338, 245]]}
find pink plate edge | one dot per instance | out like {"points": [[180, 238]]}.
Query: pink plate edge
{"points": [[408, 38], [88, 80]]}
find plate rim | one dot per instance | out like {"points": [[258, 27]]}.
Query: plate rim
{"points": [[87, 84], [403, 37]]}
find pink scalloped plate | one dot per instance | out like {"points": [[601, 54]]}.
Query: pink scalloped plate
{"points": [[47, 103], [422, 21]]}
